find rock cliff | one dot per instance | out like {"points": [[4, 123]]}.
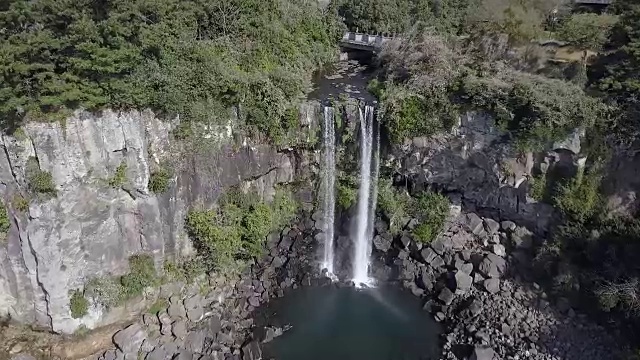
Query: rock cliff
{"points": [[89, 229]]}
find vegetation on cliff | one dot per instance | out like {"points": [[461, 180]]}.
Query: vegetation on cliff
{"points": [[237, 229], [194, 58]]}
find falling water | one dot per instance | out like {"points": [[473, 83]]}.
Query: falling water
{"points": [[328, 184], [366, 198]]}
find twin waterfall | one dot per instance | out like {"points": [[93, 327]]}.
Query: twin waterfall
{"points": [[367, 193]]}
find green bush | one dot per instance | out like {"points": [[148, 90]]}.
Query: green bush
{"points": [[20, 203], [394, 204], [159, 180], [538, 189], [40, 182], [579, 199], [119, 177], [79, 304], [347, 191], [588, 30], [142, 274], [431, 210], [238, 228], [418, 115], [111, 291], [4, 221]]}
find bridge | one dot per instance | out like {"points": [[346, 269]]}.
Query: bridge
{"points": [[365, 42]]}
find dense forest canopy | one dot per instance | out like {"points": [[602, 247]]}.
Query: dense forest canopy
{"points": [[192, 57]]}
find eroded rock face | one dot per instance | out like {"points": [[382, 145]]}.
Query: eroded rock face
{"points": [[90, 229], [477, 162]]}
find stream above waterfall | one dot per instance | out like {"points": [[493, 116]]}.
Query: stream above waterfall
{"points": [[385, 323]]}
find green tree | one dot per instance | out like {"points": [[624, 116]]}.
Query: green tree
{"points": [[588, 31]]}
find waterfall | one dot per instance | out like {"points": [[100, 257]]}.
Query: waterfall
{"points": [[367, 194], [328, 185]]}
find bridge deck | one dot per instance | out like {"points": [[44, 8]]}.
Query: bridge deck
{"points": [[362, 41]]}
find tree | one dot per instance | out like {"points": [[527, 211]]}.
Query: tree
{"points": [[618, 73], [588, 31]]}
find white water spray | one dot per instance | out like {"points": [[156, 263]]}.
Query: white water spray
{"points": [[367, 194], [328, 184]]}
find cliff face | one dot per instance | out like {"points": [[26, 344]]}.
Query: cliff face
{"points": [[90, 229], [477, 164]]}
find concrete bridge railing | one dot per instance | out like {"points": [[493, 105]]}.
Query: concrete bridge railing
{"points": [[363, 41]]}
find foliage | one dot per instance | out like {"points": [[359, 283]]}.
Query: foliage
{"points": [[579, 199], [238, 228], [113, 291], [430, 82], [394, 204], [142, 274], [587, 31], [617, 72], [20, 203], [347, 191], [191, 57], [158, 306], [431, 210], [521, 20], [159, 180], [419, 116], [78, 304], [538, 189], [119, 177], [40, 182], [5, 224]]}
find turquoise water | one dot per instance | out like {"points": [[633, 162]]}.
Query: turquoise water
{"points": [[332, 323]]}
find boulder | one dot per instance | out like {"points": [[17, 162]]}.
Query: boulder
{"points": [[179, 329], [522, 238], [499, 250], [193, 306], [463, 282], [427, 279], [508, 225], [441, 244], [492, 266], [437, 262], [252, 351], [491, 226], [129, 340], [405, 241], [474, 223], [446, 296], [482, 353], [381, 226], [195, 341], [428, 255], [381, 243], [492, 285], [177, 311]]}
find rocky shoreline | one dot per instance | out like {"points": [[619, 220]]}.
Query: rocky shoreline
{"points": [[470, 278]]}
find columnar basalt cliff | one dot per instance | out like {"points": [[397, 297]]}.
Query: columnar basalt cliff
{"points": [[91, 226]]}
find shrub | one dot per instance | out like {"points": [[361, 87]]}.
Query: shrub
{"points": [[579, 198], [394, 204], [79, 304], [238, 228], [4, 220], [416, 115], [159, 180], [347, 191], [589, 31], [431, 210], [112, 292], [20, 203], [142, 274], [538, 187], [39, 181], [119, 177]]}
